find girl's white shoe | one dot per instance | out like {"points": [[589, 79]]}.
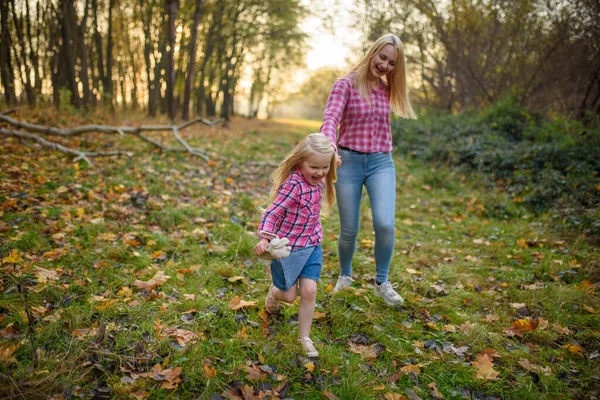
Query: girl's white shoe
{"points": [[308, 347]]}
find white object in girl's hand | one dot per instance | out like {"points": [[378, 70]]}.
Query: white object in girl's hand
{"points": [[278, 248]]}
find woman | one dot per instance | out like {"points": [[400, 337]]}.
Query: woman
{"points": [[360, 103]]}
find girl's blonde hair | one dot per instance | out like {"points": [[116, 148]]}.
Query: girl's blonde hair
{"points": [[396, 81], [313, 143]]}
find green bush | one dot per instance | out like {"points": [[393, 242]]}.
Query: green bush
{"points": [[552, 164]]}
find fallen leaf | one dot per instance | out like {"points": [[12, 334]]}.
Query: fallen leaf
{"points": [[435, 394], [237, 303], [366, 352], [413, 271], [574, 348], [411, 369], [485, 368], [14, 257], [394, 396], [158, 279], [7, 351]]}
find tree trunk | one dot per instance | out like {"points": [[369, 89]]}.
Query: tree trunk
{"points": [[172, 7], [83, 57], [6, 69], [22, 61], [99, 52], [67, 50], [189, 80], [108, 81]]}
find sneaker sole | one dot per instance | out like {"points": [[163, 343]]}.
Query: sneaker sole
{"points": [[389, 303]]}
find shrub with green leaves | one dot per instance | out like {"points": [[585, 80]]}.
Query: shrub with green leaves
{"points": [[551, 164]]}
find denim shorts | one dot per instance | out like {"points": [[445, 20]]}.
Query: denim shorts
{"points": [[302, 263]]}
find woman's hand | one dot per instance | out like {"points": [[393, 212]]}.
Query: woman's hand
{"points": [[261, 247]]}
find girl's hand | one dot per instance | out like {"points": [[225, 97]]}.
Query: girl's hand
{"points": [[261, 247]]}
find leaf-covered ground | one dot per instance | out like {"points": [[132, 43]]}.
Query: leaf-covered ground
{"points": [[137, 279]]}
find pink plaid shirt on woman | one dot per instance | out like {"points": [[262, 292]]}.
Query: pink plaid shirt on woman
{"points": [[363, 128], [295, 213]]}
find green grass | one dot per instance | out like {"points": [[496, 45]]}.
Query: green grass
{"points": [[464, 256]]}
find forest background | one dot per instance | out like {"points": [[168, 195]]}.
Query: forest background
{"points": [[505, 156]]}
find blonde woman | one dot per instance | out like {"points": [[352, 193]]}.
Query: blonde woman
{"points": [[295, 213], [360, 104]]}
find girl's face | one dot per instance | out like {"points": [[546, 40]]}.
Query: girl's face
{"points": [[315, 167], [383, 62]]}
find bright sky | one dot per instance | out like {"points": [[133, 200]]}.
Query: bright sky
{"points": [[327, 48]]}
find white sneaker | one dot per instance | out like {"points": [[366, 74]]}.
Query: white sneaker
{"points": [[308, 347], [342, 283], [388, 294]]}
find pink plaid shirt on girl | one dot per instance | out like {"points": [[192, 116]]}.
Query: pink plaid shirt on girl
{"points": [[363, 128], [295, 213]]}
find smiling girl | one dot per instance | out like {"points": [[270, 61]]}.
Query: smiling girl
{"points": [[295, 213]]}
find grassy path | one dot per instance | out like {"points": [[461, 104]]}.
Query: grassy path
{"points": [[137, 279]]}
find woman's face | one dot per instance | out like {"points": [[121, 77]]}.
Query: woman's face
{"points": [[383, 62]]}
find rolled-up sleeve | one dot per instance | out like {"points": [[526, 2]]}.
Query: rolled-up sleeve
{"points": [[334, 109]]}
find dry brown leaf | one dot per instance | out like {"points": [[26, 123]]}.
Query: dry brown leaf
{"points": [[45, 275], [366, 352], [158, 279], [7, 351], [237, 303], [319, 315], [411, 369], [210, 371], [329, 395], [485, 368], [255, 373], [394, 396], [139, 395], [435, 393]]}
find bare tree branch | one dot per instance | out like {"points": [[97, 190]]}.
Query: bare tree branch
{"points": [[81, 155], [121, 130]]}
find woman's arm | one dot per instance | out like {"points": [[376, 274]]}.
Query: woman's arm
{"points": [[334, 109]]}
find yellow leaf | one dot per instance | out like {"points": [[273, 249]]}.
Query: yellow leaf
{"points": [[310, 366], [574, 348], [14, 257], [319, 315], [522, 243], [411, 369], [589, 309], [413, 271], [6, 352], [243, 333]]}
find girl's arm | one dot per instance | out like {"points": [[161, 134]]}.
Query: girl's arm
{"points": [[286, 197]]}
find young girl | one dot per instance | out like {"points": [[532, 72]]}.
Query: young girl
{"points": [[294, 213]]}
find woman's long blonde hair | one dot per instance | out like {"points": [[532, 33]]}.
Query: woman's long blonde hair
{"points": [[313, 143], [396, 81]]}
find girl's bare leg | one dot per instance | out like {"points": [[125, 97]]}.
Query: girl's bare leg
{"points": [[308, 298]]}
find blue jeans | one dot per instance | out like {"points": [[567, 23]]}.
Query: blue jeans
{"points": [[377, 173]]}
